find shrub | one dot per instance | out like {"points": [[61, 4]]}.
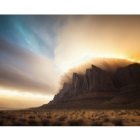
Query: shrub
{"points": [[97, 124], [57, 123], [118, 122], [18, 123], [33, 123], [31, 117], [1, 123], [46, 122], [49, 116], [62, 118], [75, 123]]}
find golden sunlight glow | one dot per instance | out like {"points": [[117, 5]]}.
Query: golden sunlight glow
{"points": [[89, 56], [22, 99], [7, 92]]}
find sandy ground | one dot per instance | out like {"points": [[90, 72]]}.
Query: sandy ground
{"points": [[70, 118]]}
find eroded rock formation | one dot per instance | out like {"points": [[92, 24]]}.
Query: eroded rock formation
{"points": [[98, 88]]}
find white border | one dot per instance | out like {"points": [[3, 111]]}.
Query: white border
{"points": [[69, 7], [69, 133]]}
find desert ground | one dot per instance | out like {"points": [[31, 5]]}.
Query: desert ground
{"points": [[70, 118]]}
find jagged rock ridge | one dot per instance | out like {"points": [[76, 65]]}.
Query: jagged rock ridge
{"points": [[98, 88]]}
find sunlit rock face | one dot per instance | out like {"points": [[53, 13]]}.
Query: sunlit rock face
{"points": [[101, 88]]}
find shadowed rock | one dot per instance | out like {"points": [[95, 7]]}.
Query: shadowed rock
{"points": [[99, 88], [128, 76]]}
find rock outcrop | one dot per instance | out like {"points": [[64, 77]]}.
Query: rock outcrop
{"points": [[98, 88], [129, 75]]}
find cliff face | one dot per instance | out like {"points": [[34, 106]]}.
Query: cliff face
{"points": [[99, 88], [129, 75]]}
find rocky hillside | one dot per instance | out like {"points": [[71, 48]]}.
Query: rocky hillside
{"points": [[99, 88]]}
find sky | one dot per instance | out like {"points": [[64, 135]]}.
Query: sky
{"points": [[37, 50]]}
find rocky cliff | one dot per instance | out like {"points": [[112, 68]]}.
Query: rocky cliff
{"points": [[98, 88]]}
